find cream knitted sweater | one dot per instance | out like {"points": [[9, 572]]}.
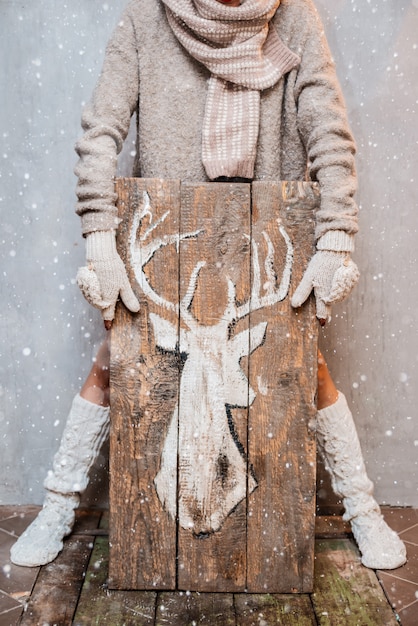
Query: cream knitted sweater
{"points": [[304, 133]]}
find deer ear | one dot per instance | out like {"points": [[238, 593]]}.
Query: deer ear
{"points": [[165, 333], [240, 345], [257, 334]]}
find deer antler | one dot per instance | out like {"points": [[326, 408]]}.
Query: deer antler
{"points": [[142, 254], [273, 294], [187, 300]]}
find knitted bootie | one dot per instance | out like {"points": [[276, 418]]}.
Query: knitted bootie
{"points": [[84, 433], [339, 446], [379, 545], [42, 541]]}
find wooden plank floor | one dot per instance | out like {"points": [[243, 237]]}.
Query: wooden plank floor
{"points": [[73, 590]]}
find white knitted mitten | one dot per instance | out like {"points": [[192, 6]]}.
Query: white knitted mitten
{"points": [[331, 273], [105, 277]]}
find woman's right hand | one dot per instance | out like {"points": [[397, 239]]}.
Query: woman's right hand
{"points": [[104, 278]]}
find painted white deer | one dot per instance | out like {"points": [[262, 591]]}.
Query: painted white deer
{"points": [[201, 463]]}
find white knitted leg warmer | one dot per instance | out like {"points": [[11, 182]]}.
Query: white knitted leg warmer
{"points": [[84, 433], [86, 429], [339, 446]]}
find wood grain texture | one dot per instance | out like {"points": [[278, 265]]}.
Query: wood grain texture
{"points": [[98, 606], [57, 588], [331, 526], [190, 609], [216, 561], [286, 610], [281, 513], [144, 390], [345, 592], [253, 527]]}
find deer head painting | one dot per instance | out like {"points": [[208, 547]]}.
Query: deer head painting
{"points": [[211, 470]]}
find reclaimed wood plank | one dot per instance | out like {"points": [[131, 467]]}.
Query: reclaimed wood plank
{"points": [[345, 592], [331, 527], [57, 588], [182, 450], [212, 558], [87, 521], [265, 609], [281, 513], [16, 582], [98, 606], [144, 390], [191, 609]]}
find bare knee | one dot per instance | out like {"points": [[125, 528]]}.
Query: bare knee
{"points": [[322, 367], [327, 393], [96, 386]]}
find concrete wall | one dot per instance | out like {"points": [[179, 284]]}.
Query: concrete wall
{"points": [[51, 55]]}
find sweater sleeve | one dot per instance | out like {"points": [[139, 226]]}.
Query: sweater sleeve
{"points": [[323, 126], [105, 121]]}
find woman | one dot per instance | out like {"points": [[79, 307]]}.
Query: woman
{"points": [[257, 84]]}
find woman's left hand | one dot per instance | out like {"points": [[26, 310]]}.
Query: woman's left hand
{"points": [[331, 275]]}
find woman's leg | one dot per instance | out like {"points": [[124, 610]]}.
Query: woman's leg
{"points": [[340, 448], [327, 393], [96, 385], [86, 429]]}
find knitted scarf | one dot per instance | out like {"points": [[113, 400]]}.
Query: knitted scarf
{"points": [[244, 55]]}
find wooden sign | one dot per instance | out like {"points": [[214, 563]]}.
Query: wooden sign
{"points": [[213, 384]]}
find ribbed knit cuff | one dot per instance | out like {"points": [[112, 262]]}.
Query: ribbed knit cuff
{"points": [[101, 245], [337, 241], [89, 411], [334, 411]]}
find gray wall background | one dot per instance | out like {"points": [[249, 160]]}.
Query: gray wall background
{"points": [[51, 55]]}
